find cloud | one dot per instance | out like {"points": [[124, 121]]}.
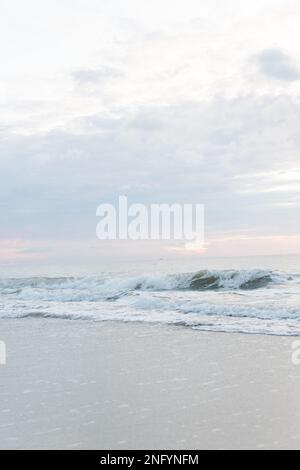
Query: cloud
{"points": [[275, 63], [117, 63], [164, 105], [94, 76], [35, 250], [231, 155]]}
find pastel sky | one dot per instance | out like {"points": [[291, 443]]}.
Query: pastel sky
{"points": [[165, 101]]}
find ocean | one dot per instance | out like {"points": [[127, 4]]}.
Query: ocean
{"points": [[258, 295]]}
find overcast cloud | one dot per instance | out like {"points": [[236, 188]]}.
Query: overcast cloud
{"points": [[192, 106], [277, 64]]}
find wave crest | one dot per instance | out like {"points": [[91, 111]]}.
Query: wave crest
{"points": [[232, 279]]}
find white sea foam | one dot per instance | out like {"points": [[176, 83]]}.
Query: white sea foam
{"points": [[250, 301]]}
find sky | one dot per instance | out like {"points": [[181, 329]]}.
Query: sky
{"points": [[166, 102]]}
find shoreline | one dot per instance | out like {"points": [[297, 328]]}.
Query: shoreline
{"points": [[110, 385]]}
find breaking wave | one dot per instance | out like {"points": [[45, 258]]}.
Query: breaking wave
{"points": [[248, 301], [96, 288]]}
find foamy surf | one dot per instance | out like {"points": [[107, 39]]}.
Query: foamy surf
{"points": [[246, 301]]}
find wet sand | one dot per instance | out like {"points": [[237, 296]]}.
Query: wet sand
{"points": [[87, 385]]}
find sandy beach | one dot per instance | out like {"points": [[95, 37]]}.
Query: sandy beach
{"points": [[89, 385]]}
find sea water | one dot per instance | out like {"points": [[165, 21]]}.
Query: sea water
{"points": [[248, 295]]}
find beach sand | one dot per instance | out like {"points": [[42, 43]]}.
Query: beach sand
{"points": [[88, 385]]}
